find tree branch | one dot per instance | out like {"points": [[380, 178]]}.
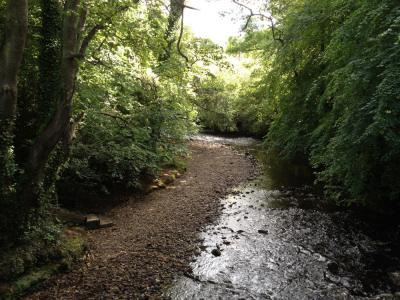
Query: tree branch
{"points": [[88, 38], [190, 7], [253, 14], [178, 45], [93, 31], [114, 116]]}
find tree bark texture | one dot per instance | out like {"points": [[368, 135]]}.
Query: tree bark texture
{"points": [[11, 54]]}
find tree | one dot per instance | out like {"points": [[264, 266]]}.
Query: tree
{"points": [[11, 53], [26, 159]]}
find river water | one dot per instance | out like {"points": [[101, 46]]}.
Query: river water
{"points": [[276, 239]]}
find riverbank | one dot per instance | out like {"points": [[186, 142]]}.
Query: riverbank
{"points": [[154, 237]]}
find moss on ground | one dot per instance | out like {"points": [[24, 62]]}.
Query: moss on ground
{"points": [[25, 268]]}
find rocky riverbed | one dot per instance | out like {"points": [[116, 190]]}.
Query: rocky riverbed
{"points": [[221, 232], [155, 236], [276, 239]]}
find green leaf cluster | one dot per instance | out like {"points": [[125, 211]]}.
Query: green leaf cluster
{"points": [[328, 93]]}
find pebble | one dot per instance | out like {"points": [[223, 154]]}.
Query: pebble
{"points": [[216, 252]]}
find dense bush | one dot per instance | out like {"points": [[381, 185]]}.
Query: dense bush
{"points": [[120, 144], [214, 99]]}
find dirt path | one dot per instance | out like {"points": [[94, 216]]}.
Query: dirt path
{"points": [[154, 239]]}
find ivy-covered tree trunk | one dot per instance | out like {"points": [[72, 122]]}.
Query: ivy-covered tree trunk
{"points": [[61, 48], [175, 13], [57, 102], [11, 53]]}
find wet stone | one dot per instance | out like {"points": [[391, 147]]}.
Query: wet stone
{"points": [[311, 253], [216, 252]]}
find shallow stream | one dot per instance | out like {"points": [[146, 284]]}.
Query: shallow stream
{"points": [[276, 239]]}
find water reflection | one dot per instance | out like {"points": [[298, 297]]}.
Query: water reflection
{"points": [[281, 173]]}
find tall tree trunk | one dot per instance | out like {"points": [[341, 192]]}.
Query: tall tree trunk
{"points": [[59, 125], [49, 59], [11, 54]]}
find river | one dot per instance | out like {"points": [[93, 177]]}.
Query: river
{"points": [[276, 238]]}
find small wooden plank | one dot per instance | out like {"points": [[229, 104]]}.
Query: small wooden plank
{"points": [[92, 221], [105, 222]]}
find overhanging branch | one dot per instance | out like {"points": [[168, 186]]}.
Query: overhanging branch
{"points": [[178, 45], [263, 16], [94, 30]]}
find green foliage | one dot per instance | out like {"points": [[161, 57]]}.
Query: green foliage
{"points": [[329, 92], [135, 110], [326, 91], [131, 111], [16, 261], [23, 269], [215, 101], [362, 150]]}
